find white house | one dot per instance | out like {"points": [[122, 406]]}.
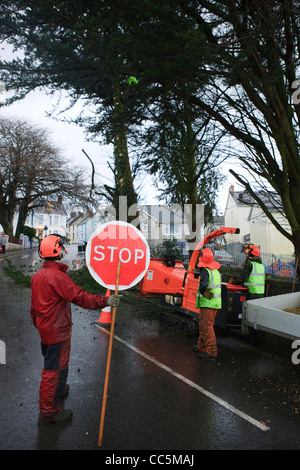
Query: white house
{"points": [[254, 226], [72, 226], [160, 222], [47, 218], [80, 226], [88, 224], [156, 222], [83, 228]]}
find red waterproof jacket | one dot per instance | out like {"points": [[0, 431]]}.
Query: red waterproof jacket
{"points": [[51, 293]]}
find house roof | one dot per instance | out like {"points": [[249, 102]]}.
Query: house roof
{"points": [[47, 207], [74, 218], [271, 199], [88, 215]]}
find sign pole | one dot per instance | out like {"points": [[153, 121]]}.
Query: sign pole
{"points": [[114, 310]]}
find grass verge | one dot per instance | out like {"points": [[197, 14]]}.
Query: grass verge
{"points": [[81, 277], [16, 274]]}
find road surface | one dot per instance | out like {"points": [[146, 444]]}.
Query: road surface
{"points": [[161, 397]]}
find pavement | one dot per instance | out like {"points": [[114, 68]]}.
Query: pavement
{"points": [[17, 252]]}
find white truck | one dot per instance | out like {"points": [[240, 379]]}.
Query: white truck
{"points": [[270, 314]]}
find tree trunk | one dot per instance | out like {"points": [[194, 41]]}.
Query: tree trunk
{"points": [[7, 217], [23, 211], [7, 227], [296, 242], [123, 176]]}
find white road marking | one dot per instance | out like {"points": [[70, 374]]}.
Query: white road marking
{"points": [[202, 390]]}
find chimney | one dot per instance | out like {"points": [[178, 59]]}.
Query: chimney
{"points": [[231, 189]]}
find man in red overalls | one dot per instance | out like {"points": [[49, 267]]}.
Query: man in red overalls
{"points": [[52, 290], [209, 300]]}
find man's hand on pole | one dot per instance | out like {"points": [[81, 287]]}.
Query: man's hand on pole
{"points": [[114, 300]]}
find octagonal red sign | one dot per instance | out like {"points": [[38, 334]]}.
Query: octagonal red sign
{"points": [[116, 241]]}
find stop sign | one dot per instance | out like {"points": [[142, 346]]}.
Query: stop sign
{"points": [[113, 242]]}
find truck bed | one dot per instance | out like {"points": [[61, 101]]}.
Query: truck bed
{"points": [[267, 314]]}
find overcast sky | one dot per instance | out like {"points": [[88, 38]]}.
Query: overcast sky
{"points": [[71, 139]]}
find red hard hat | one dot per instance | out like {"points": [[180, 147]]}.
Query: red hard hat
{"points": [[207, 260], [52, 246], [254, 251]]}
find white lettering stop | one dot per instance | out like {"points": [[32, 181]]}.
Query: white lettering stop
{"points": [[124, 255], [128, 255]]}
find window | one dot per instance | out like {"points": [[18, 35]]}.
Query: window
{"points": [[177, 229]]}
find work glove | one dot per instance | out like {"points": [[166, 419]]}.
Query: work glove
{"points": [[113, 300], [208, 294]]}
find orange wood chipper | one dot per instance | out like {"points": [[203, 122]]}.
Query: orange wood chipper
{"points": [[178, 289]]}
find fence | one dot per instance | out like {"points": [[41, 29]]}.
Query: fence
{"points": [[275, 265], [281, 266], [232, 256], [14, 240]]}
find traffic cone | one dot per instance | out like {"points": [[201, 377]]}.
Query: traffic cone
{"points": [[78, 265], [105, 315]]}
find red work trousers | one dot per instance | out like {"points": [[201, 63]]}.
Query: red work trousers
{"points": [[54, 376], [207, 339]]}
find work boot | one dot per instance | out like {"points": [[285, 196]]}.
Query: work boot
{"points": [[205, 356], [60, 417]]}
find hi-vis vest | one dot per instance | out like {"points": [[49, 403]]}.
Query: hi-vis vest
{"points": [[256, 280], [214, 284]]}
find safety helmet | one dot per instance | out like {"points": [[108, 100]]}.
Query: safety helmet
{"points": [[254, 251], [246, 248], [52, 247], [250, 249], [207, 260]]}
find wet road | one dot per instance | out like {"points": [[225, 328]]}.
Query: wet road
{"points": [[161, 397]]}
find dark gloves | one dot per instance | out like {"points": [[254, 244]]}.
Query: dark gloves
{"points": [[208, 294], [114, 300]]}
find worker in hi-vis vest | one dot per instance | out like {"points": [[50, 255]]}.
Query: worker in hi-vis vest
{"points": [[209, 301], [254, 277]]}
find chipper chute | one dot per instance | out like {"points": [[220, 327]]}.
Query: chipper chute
{"points": [[168, 275], [178, 289]]}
